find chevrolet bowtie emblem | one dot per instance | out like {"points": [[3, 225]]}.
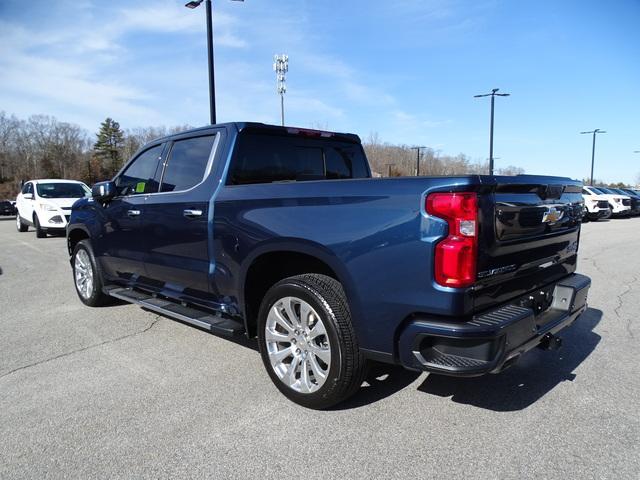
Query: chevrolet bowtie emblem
{"points": [[552, 215]]}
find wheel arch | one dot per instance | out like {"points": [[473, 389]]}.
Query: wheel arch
{"points": [[75, 235], [273, 262]]}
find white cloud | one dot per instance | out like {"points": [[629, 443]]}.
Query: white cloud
{"points": [[79, 68], [94, 63]]}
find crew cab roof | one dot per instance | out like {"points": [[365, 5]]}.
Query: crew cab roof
{"points": [[266, 128]]}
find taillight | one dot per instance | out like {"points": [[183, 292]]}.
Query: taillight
{"points": [[456, 255]]}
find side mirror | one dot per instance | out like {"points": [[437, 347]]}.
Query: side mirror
{"points": [[103, 191], [27, 196]]}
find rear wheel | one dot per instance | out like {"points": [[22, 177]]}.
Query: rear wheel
{"points": [[87, 276], [40, 232], [307, 341], [20, 225]]}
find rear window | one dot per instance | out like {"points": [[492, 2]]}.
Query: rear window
{"points": [[260, 158], [62, 190]]}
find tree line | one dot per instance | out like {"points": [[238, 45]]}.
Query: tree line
{"points": [[41, 146], [392, 160], [44, 147]]}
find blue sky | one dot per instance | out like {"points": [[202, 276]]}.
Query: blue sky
{"points": [[407, 70]]}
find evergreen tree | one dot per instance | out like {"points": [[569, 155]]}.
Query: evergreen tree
{"points": [[108, 147]]}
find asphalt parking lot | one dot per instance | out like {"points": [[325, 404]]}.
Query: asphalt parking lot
{"points": [[118, 392]]}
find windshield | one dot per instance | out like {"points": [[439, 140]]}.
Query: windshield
{"points": [[62, 190], [596, 191]]}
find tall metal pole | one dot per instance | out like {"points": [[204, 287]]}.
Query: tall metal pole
{"points": [[389, 165], [212, 85], [493, 95], [417, 149], [593, 148], [282, 108], [493, 99], [593, 155]]}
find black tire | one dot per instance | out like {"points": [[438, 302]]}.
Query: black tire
{"points": [[20, 225], [40, 232], [97, 298], [347, 368]]}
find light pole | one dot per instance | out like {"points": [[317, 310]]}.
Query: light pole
{"points": [[212, 85], [281, 67], [493, 95], [593, 148], [389, 165], [417, 149]]}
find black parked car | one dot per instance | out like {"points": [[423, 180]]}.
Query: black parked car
{"points": [[7, 208]]}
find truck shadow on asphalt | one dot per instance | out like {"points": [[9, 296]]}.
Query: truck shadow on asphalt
{"points": [[518, 387], [535, 374]]}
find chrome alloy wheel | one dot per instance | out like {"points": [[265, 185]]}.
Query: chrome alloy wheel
{"points": [[83, 273], [297, 344]]}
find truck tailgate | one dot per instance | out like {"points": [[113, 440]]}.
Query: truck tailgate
{"points": [[528, 238]]}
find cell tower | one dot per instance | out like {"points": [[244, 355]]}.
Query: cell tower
{"points": [[281, 67]]}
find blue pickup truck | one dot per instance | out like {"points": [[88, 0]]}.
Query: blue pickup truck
{"points": [[281, 234]]}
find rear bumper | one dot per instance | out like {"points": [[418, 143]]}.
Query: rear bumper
{"points": [[491, 341]]}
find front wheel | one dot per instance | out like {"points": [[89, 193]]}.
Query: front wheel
{"points": [[20, 225], [86, 276], [307, 341], [40, 233]]}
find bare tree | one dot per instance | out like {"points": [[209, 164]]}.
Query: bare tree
{"points": [[510, 170], [403, 159], [135, 138]]}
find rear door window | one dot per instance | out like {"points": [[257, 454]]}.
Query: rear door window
{"points": [[139, 177], [187, 163]]}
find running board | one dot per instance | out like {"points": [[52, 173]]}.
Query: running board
{"points": [[211, 322]]}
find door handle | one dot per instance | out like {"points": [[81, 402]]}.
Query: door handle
{"points": [[189, 213], [133, 213]]}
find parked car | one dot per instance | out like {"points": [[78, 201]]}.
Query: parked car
{"points": [[46, 204], [596, 206], [7, 208], [635, 199], [281, 233], [620, 205]]}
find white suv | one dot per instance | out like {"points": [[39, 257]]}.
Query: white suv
{"points": [[46, 204], [596, 205], [619, 204]]}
